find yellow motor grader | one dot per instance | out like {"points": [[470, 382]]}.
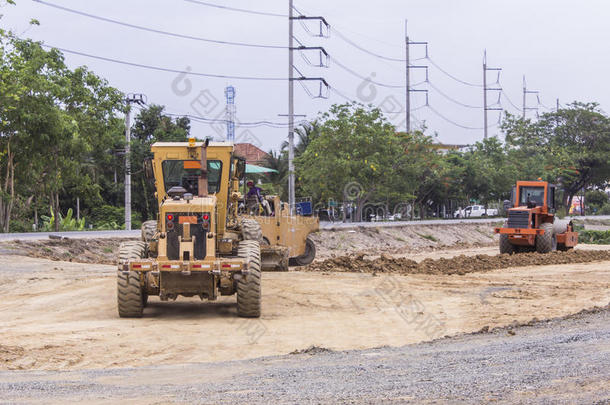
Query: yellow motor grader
{"points": [[202, 244]]}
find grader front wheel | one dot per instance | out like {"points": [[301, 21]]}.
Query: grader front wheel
{"points": [[249, 285], [131, 297]]}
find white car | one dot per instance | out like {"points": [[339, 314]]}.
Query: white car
{"points": [[474, 211]]}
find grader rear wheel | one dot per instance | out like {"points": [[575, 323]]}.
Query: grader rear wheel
{"points": [[251, 230], [149, 228], [249, 286], [131, 297]]}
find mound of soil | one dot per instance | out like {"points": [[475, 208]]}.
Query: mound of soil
{"points": [[98, 251], [456, 265], [411, 238]]}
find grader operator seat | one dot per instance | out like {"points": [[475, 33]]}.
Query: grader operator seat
{"points": [[176, 192]]}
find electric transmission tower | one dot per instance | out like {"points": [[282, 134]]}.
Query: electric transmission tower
{"points": [[230, 113]]}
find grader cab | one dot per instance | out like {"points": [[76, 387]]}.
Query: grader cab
{"points": [[532, 225], [201, 245]]}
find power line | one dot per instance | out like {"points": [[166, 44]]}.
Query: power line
{"points": [[433, 63], [162, 69], [545, 106], [156, 31], [204, 120], [237, 124], [355, 45], [456, 123], [452, 99], [241, 10], [510, 101], [362, 77]]}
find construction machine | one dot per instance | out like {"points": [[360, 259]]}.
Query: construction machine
{"points": [[531, 224], [201, 244]]}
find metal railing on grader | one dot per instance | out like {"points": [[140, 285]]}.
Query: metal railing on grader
{"points": [[201, 244], [532, 225]]}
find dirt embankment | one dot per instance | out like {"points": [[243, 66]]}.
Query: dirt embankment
{"points": [[96, 251], [406, 239], [461, 264]]}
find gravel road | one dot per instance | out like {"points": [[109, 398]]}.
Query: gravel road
{"points": [[558, 361]]}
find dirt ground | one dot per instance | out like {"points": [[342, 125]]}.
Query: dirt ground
{"points": [[62, 315]]}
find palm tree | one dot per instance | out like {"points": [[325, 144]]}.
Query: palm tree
{"points": [[306, 132], [278, 161]]}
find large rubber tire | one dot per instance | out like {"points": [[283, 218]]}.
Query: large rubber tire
{"points": [[548, 241], [307, 257], [249, 286], [251, 230], [149, 229], [505, 245], [131, 297]]}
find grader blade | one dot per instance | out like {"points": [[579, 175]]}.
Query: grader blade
{"points": [[274, 258]]}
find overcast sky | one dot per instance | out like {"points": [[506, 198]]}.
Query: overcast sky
{"points": [[561, 46]]}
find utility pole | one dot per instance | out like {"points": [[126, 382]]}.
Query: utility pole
{"points": [[291, 195], [291, 80], [127, 169], [131, 99], [525, 93], [485, 94], [408, 68], [408, 92], [485, 90]]}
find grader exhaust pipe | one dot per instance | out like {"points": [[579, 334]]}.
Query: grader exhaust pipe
{"points": [[203, 174]]}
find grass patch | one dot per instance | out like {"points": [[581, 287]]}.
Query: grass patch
{"points": [[594, 237], [107, 249], [400, 239], [429, 237]]}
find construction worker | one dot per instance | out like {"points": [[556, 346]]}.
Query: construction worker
{"points": [[254, 194]]}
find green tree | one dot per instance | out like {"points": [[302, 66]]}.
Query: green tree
{"points": [[278, 161], [570, 147], [151, 126], [488, 174], [55, 126], [306, 133], [359, 156]]}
